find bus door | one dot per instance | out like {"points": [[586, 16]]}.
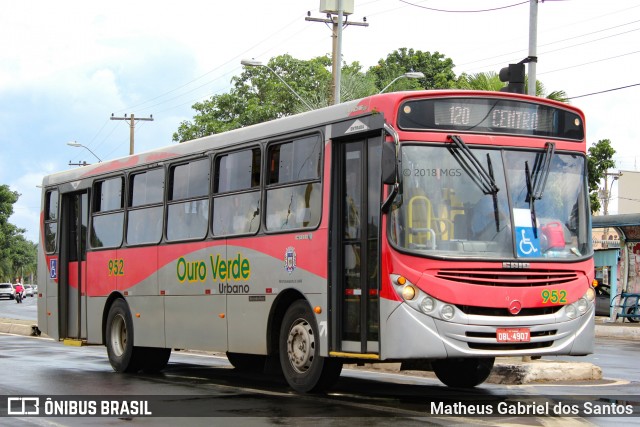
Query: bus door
{"points": [[73, 261], [356, 245]]}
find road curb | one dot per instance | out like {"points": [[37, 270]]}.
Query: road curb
{"points": [[543, 371], [629, 332], [18, 329], [512, 371], [507, 370]]}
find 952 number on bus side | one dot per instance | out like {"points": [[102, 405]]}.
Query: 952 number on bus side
{"points": [[116, 267]]}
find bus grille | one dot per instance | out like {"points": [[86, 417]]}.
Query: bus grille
{"points": [[503, 312], [530, 278]]}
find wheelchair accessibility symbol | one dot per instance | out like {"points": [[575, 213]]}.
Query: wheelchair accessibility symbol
{"points": [[528, 244]]}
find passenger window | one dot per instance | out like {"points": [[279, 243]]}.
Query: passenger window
{"points": [[144, 221], [294, 192], [108, 213], [51, 221], [188, 205], [237, 213]]}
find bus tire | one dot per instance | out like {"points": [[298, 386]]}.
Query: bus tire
{"points": [[243, 362], [303, 367], [154, 359], [123, 356], [463, 372]]}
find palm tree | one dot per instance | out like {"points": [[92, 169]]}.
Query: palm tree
{"points": [[491, 81]]}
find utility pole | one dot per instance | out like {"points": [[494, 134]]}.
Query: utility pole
{"points": [[132, 126], [606, 192], [533, 42], [342, 9]]}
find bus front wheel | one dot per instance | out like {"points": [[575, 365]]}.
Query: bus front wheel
{"points": [[123, 356], [303, 367], [465, 373]]}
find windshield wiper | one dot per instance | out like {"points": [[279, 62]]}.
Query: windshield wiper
{"points": [[470, 163], [541, 169], [535, 187], [484, 179], [531, 199]]}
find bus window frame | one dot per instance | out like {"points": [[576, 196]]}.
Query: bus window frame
{"points": [[266, 186], [93, 214], [169, 202], [129, 200], [46, 220], [231, 193]]}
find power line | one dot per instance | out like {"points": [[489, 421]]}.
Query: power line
{"points": [[559, 41], [235, 59], [604, 91], [463, 11], [591, 62]]}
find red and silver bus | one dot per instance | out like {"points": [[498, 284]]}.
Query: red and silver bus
{"points": [[439, 229]]}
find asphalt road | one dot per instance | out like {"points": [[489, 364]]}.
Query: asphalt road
{"points": [[197, 384], [27, 310]]}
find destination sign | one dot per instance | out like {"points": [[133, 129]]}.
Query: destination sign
{"points": [[490, 115]]}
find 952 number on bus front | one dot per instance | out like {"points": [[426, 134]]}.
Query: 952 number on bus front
{"points": [[554, 296]]}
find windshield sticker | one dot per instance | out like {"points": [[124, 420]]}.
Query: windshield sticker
{"points": [[527, 242]]}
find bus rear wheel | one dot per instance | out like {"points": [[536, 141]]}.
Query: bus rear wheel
{"points": [[123, 356], [303, 367], [463, 372]]}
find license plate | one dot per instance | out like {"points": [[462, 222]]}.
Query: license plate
{"points": [[513, 334]]}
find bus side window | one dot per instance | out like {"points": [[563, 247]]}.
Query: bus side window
{"points": [[51, 221], [108, 213], [236, 198], [293, 184], [188, 204], [144, 221]]}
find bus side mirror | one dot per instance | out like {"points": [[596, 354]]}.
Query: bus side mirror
{"points": [[389, 163]]}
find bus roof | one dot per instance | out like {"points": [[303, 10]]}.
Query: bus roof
{"points": [[276, 128]]}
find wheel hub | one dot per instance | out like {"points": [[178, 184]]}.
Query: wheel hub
{"points": [[301, 346], [119, 335]]}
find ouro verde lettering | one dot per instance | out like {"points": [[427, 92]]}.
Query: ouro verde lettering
{"points": [[191, 271], [235, 269]]}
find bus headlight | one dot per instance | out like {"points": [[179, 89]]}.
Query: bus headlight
{"points": [[427, 305], [590, 295], [582, 305], [408, 292], [447, 312], [571, 311]]}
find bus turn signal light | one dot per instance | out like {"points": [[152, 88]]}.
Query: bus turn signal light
{"points": [[317, 309]]}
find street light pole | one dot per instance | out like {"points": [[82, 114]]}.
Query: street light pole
{"points": [[409, 75], [253, 63], [77, 144]]}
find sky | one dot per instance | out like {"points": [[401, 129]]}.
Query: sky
{"points": [[67, 66]]}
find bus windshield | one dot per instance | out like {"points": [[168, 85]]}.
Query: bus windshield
{"points": [[491, 203]]}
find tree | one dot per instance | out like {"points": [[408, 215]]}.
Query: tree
{"points": [[437, 69], [18, 256], [491, 81], [258, 96], [599, 161]]}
